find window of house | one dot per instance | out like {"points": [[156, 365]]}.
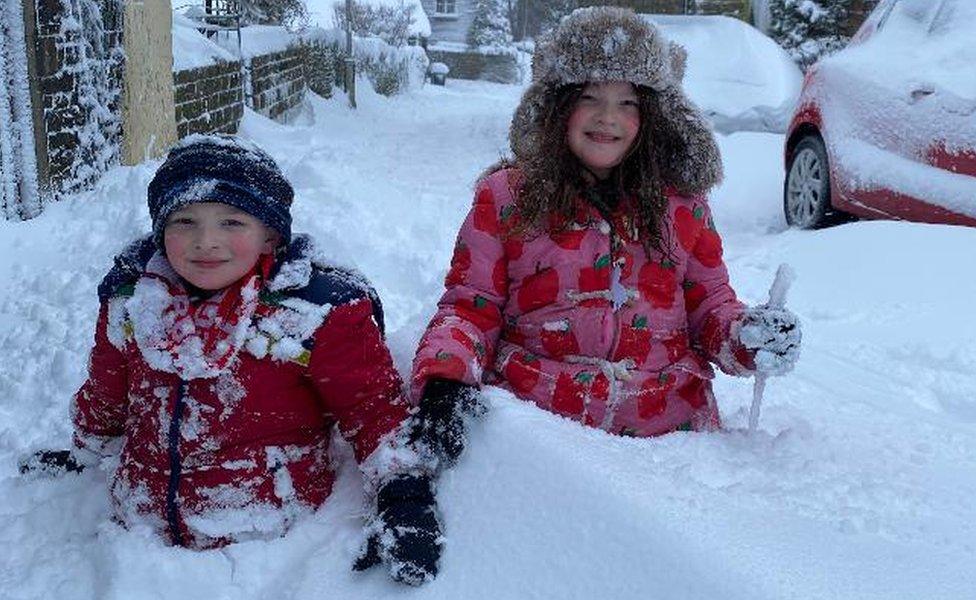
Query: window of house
{"points": [[446, 7]]}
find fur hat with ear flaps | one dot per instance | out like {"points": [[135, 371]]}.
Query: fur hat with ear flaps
{"points": [[614, 44]]}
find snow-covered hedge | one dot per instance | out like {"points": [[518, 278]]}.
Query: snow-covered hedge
{"points": [[390, 70]]}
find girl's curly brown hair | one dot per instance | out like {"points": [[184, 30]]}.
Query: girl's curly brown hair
{"points": [[553, 182]]}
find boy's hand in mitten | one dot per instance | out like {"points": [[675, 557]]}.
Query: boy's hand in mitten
{"points": [[405, 533], [439, 422], [773, 337], [52, 463]]}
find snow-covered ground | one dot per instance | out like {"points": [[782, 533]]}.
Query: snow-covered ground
{"points": [[859, 484]]}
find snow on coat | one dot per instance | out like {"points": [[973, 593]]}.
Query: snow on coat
{"points": [[583, 322], [212, 455]]}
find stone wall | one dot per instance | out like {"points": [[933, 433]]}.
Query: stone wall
{"points": [[501, 68], [209, 99], [79, 66], [277, 82]]}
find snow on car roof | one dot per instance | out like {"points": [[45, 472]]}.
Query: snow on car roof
{"points": [[920, 41], [739, 77]]}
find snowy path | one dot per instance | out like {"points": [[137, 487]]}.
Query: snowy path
{"points": [[859, 485]]}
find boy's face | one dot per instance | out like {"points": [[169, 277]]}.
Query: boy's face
{"points": [[212, 245]]}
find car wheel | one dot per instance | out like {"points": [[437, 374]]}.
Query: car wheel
{"points": [[806, 192]]}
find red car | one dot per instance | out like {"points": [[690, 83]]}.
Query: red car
{"points": [[886, 128]]}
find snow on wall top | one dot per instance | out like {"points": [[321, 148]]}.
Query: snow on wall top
{"points": [[192, 49]]}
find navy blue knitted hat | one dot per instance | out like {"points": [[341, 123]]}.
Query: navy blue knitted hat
{"points": [[221, 168]]}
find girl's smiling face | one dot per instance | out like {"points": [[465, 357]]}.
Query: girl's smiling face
{"points": [[212, 245], [603, 125]]}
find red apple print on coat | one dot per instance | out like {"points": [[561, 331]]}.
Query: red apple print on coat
{"points": [[595, 279], [569, 239], [522, 371], [694, 295], [460, 263], [513, 248], [653, 398], [656, 282], [635, 341], [462, 338], [538, 290], [445, 365], [512, 332], [676, 346], [511, 240], [485, 217], [499, 277], [693, 392], [600, 390], [708, 250], [687, 224], [567, 396], [558, 339], [479, 311]]}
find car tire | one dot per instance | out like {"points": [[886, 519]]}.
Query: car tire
{"points": [[806, 189]]}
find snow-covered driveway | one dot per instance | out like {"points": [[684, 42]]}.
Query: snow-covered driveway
{"points": [[860, 484]]}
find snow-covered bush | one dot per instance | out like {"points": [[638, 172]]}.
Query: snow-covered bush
{"points": [[490, 26], [319, 68], [390, 23], [808, 29], [97, 89], [291, 13], [390, 69]]}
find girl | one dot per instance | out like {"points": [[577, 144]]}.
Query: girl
{"points": [[588, 276]]}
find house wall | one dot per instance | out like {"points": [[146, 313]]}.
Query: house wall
{"points": [[450, 29]]}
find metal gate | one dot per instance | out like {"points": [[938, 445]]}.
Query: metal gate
{"points": [[19, 198]]}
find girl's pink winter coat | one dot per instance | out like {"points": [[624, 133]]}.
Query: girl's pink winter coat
{"points": [[583, 322]]}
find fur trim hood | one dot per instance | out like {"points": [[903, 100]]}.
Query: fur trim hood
{"points": [[614, 44]]}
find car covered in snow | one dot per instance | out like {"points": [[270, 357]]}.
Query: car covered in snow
{"points": [[740, 78], [886, 128]]}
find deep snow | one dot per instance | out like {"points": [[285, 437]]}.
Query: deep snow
{"points": [[859, 483]]}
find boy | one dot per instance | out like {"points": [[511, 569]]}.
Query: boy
{"points": [[225, 354]]}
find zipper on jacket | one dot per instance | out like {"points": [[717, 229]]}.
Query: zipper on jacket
{"points": [[172, 513]]}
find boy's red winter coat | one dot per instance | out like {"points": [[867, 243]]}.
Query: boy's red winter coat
{"points": [[206, 461], [535, 313]]}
